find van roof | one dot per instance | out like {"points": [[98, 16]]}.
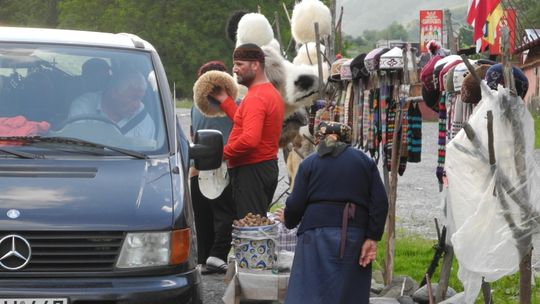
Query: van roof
{"points": [[74, 37]]}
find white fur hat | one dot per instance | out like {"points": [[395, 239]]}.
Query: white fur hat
{"points": [[304, 15], [307, 54], [302, 85], [254, 28], [204, 86]]}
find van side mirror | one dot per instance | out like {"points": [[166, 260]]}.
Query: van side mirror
{"points": [[207, 149]]}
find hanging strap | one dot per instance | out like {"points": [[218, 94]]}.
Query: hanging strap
{"points": [[348, 213]]}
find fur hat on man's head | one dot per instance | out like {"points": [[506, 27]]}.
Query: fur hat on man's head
{"points": [[254, 28], [304, 15], [232, 24], [206, 84]]}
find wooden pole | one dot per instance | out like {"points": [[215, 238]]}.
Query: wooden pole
{"points": [[278, 32], [319, 60], [450, 32], [330, 48], [525, 266]]}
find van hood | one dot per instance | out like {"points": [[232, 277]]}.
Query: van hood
{"points": [[113, 194]]}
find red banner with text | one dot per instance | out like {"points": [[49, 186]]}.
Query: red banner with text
{"points": [[431, 27]]}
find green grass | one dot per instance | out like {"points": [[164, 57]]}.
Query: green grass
{"points": [[537, 131], [184, 103], [413, 254]]}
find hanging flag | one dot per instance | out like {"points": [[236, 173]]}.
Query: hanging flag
{"points": [[477, 15], [508, 20], [493, 23]]}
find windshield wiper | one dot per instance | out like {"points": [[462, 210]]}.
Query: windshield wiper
{"points": [[20, 153], [74, 141]]}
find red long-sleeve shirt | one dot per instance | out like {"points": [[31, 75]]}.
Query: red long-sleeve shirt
{"points": [[257, 124]]}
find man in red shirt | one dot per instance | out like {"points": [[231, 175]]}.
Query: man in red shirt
{"points": [[251, 151]]}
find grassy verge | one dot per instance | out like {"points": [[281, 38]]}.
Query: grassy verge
{"points": [[184, 103], [413, 254]]}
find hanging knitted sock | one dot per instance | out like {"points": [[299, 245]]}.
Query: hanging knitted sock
{"points": [[403, 137], [442, 138], [390, 126], [376, 126], [414, 133], [366, 118]]}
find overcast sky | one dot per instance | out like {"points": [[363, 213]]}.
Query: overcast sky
{"points": [[360, 15]]}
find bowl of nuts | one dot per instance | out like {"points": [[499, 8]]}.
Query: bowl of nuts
{"points": [[254, 240]]}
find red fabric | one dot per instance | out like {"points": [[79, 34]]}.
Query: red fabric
{"points": [[20, 126], [257, 126]]}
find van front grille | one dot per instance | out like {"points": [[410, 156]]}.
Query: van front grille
{"points": [[61, 251]]}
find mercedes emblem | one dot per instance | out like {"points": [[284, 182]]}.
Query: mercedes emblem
{"points": [[15, 252], [13, 213]]}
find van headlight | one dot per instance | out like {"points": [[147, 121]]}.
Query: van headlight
{"points": [[146, 249]]}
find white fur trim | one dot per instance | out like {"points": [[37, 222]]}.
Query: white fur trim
{"points": [[275, 45], [204, 86], [254, 28], [304, 15], [274, 68]]}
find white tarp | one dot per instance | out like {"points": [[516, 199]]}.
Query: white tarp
{"points": [[492, 209]]}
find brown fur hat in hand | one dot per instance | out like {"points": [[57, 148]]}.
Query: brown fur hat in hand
{"points": [[204, 86]]}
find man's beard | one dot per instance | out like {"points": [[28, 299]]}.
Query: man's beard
{"points": [[247, 79]]}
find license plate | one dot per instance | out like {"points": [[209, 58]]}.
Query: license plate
{"points": [[34, 301]]}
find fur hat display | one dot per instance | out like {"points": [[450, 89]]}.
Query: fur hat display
{"points": [[345, 71], [232, 24], [254, 28], [442, 80], [204, 86], [307, 53], [275, 45], [304, 15], [495, 77], [470, 89], [393, 59]]}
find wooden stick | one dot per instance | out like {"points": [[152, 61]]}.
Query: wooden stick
{"points": [[319, 60], [470, 68], [286, 12], [278, 32]]}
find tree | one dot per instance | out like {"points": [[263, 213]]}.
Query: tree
{"points": [[32, 13]]}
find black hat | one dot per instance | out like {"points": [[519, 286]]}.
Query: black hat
{"points": [[358, 69], [431, 98], [232, 24]]}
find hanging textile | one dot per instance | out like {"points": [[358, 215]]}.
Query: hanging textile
{"points": [[366, 116], [404, 154], [442, 138], [414, 133], [389, 130]]}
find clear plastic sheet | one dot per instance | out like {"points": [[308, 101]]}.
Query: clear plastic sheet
{"points": [[492, 210]]}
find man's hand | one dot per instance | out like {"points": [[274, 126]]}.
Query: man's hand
{"points": [[219, 94], [368, 253]]}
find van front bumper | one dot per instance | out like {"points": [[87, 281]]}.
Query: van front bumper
{"points": [[181, 288]]}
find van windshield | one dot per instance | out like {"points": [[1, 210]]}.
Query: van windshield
{"points": [[102, 95]]}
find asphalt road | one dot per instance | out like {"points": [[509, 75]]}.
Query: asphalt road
{"points": [[418, 200]]}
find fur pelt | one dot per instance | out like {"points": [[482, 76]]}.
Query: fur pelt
{"points": [[275, 45], [275, 68], [232, 24], [291, 126], [254, 28], [299, 148], [205, 84], [304, 15], [302, 85]]}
